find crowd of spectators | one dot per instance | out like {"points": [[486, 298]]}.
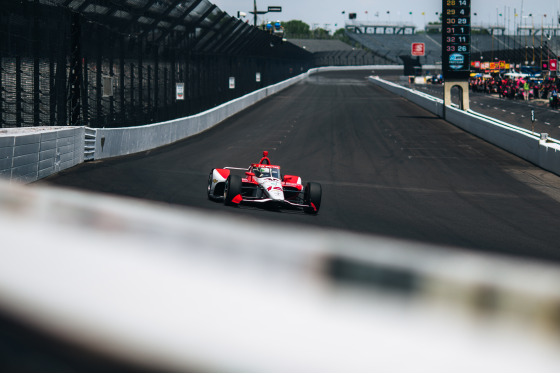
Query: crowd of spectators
{"points": [[518, 88]]}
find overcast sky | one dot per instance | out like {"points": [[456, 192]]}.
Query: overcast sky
{"points": [[318, 13]]}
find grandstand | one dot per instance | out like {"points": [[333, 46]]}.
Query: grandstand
{"points": [[391, 46], [336, 53], [521, 49]]}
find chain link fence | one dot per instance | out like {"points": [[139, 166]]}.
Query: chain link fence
{"points": [[104, 63]]}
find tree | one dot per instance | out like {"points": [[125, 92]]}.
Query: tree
{"points": [[339, 34], [296, 29], [321, 33]]}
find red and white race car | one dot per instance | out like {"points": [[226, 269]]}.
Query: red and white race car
{"points": [[264, 184]]}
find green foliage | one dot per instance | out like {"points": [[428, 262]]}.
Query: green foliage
{"points": [[339, 34], [320, 33], [296, 29], [433, 29], [481, 31]]}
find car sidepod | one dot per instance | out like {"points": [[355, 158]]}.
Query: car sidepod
{"points": [[292, 187]]}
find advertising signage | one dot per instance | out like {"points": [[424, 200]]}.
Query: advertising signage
{"points": [[418, 49], [456, 39], [553, 65]]}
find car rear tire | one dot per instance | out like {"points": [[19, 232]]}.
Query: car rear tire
{"points": [[210, 178], [312, 196], [232, 189]]}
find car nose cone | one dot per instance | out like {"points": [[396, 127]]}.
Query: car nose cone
{"points": [[276, 195]]}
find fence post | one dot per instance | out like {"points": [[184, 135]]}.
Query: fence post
{"points": [[2, 111], [36, 54], [18, 92], [98, 86], [140, 79], [85, 89], [112, 74], [150, 108], [164, 105], [52, 80], [122, 113], [155, 108], [133, 109], [75, 69]]}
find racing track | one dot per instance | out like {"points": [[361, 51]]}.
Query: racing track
{"points": [[387, 167]]}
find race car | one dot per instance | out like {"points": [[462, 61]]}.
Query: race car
{"points": [[264, 185]]}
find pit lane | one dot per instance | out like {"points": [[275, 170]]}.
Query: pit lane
{"points": [[516, 112], [387, 167]]}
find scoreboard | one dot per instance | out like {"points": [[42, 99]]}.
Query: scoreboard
{"points": [[456, 39]]}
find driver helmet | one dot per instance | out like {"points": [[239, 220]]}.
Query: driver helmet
{"points": [[264, 171]]}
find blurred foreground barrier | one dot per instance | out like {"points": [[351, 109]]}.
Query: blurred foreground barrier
{"points": [[533, 147], [176, 289]]}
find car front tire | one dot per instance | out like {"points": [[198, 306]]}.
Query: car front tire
{"points": [[232, 189], [312, 196]]}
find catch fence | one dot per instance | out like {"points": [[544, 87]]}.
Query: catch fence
{"points": [[102, 63]]}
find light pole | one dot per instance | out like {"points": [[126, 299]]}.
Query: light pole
{"points": [[256, 12], [533, 32]]}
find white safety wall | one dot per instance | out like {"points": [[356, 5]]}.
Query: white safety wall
{"points": [[179, 290], [29, 154]]}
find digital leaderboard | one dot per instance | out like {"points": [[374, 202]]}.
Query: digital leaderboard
{"points": [[456, 39]]}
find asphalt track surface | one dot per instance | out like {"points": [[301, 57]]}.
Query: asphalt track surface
{"points": [[386, 166]]}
